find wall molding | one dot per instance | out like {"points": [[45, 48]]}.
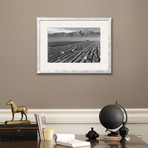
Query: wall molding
{"points": [[71, 116]]}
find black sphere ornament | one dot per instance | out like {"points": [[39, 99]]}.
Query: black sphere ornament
{"points": [[111, 116], [92, 134]]}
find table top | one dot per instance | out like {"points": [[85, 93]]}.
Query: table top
{"points": [[134, 142]]}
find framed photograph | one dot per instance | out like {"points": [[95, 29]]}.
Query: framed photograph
{"points": [[74, 45], [41, 122]]}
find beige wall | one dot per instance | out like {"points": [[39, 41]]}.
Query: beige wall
{"points": [[128, 84]]}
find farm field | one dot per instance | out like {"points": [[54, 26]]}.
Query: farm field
{"points": [[74, 52]]}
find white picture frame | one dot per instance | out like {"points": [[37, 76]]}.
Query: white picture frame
{"points": [[41, 122], [61, 41]]}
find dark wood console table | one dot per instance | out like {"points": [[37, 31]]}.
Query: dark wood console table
{"points": [[135, 142]]}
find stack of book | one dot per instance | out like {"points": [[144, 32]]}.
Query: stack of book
{"points": [[18, 132], [113, 138]]}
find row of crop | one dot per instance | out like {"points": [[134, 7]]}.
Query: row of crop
{"points": [[59, 53], [89, 54]]}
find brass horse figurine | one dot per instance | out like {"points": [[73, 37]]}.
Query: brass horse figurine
{"points": [[18, 109]]}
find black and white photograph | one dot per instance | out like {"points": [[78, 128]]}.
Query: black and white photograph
{"points": [[41, 122], [74, 45]]}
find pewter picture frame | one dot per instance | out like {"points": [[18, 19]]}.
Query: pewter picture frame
{"points": [[74, 45]]}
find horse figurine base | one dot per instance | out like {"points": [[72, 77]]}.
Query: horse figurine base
{"points": [[18, 109], [18, 122]]}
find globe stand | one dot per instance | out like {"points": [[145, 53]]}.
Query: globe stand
{"points": [[115, 134]]}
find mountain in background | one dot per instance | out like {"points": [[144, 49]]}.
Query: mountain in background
{"points": [[81, 33]]}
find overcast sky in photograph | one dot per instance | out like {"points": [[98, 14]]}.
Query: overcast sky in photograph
{"points": [[52, 30]]}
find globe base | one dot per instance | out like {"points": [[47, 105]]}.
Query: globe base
{"points": [[115, 134]]}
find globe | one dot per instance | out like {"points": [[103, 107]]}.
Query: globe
{"points": [[111, 116]]}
